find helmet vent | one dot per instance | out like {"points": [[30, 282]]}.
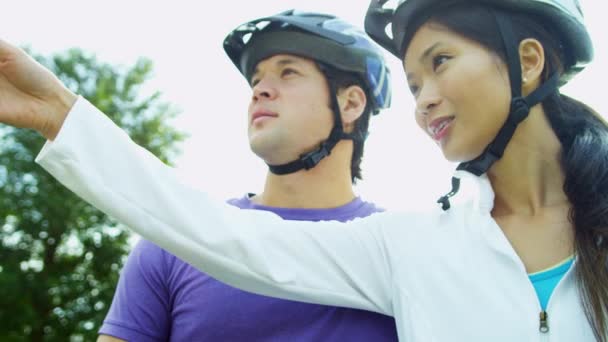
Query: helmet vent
{"points": [[246, 37], [389, 30], [262, 25]]}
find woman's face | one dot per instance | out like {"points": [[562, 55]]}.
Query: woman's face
{"points": [[461, 89]]}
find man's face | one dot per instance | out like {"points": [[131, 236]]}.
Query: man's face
{"points": [[289, 112]]}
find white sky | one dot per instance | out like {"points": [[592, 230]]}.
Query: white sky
{"points": [[184, 40]]}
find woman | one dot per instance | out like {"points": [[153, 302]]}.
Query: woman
{"points": [[463, 274], [550, 184]]}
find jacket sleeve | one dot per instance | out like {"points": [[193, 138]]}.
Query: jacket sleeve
{"points": [[329, 263]]}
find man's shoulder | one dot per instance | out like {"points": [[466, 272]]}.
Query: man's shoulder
{"points": [[148, 249], [372, 207], [153, 256], [357, 208], [242, 202]]}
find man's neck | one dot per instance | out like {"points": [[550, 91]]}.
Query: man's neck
{"points": [[327, 185]]}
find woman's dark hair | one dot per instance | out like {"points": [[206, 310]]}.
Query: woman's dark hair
{"points": [[584, 139], [339, 79]]}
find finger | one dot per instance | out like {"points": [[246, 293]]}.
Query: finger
{"points": [[7, 50]]}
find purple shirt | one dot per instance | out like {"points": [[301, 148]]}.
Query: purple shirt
{"points": [[161, 298]]}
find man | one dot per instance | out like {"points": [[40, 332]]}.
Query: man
{"points": [[315, 82]]}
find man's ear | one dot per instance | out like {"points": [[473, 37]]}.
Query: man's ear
{"points": [[352, 101]]}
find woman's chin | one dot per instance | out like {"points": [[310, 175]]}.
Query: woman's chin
{"points": [[458, 155]]}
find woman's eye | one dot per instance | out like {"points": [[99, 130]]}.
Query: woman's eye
{"points": [[439, 60]]}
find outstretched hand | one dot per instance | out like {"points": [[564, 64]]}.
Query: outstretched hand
{"points": [[31, 96]]}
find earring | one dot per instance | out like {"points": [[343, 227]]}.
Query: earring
{"points": [[525, 80]]}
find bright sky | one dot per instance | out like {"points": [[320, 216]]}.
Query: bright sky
{"points": [[184, 40]]}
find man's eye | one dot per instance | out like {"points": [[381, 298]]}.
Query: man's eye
{"points": [[286, 72]]}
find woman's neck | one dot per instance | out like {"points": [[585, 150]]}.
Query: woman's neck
{"points": [[529, 176]]}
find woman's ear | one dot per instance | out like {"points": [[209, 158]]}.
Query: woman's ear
{"points": [[532, 59], [352, 101]]}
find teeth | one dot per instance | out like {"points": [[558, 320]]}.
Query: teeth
{"points": [[442, 124], [439, 127]]}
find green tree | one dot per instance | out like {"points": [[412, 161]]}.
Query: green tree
{"points": [[60, 257]]}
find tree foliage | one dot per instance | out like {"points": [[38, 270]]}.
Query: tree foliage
{"points": [[60, 257]]}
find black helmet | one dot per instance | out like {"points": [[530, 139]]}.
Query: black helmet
{"points": [[322, 38], [565, 16]]}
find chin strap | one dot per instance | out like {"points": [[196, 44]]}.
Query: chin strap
{"points": [[445, 199], [518, 111], [309, 160]]}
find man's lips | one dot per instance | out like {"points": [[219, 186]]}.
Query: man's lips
{"points": [[261, 115]]}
